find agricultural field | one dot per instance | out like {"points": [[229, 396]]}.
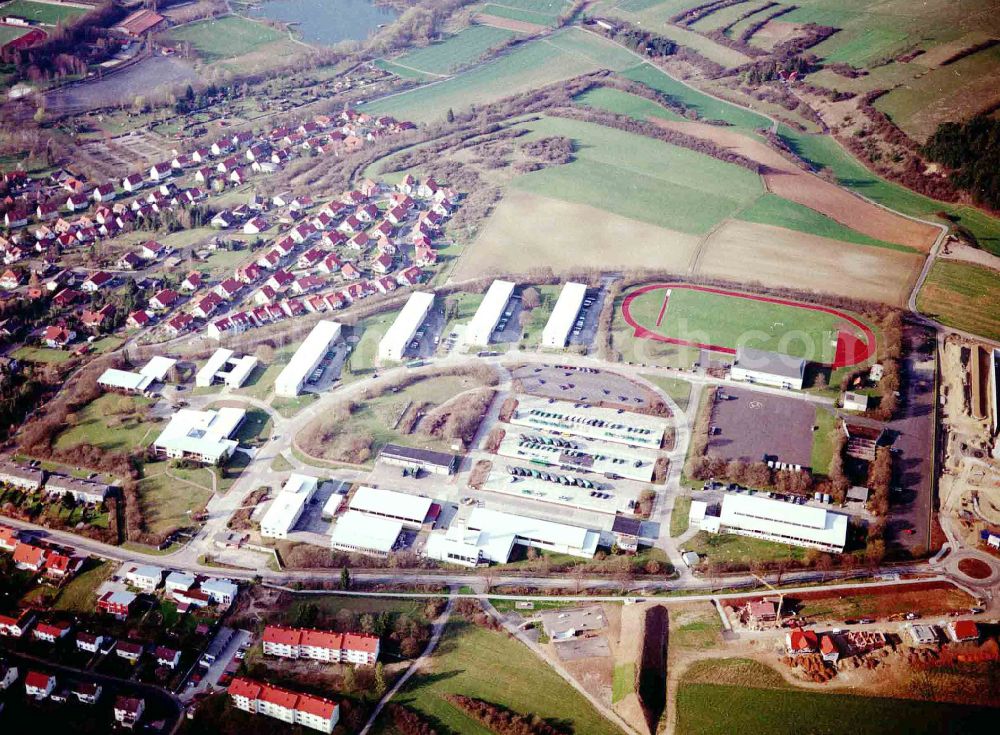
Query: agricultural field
{"points": [[623, 103], [45, 13], [448, 56], [963, 296], [232, 36], [563, 55], [539, 12], [479, 663], [713, 697], [726, 320]]}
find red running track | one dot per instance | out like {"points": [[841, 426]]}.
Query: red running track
{"points": [[851, 349]]}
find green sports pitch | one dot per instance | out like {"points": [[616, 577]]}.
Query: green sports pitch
{"points": [[725, 320], [45, 13]]}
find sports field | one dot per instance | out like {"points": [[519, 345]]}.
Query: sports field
{"points": [[226, 37], [9, 33], [565, 54], [465, 47], [45, 13], [722, 320]]}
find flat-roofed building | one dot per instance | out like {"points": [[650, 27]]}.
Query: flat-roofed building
{"points": [[83, 491], [364, 534], [439, 463], [306, 359], [560, 324], [408, 509], [158, 368], [489, 536], [21, 476], [394, 342], [224, 367], [287, 507], [124, 381], [480, 329], [787, 523], [203, 436], [768, 368]]}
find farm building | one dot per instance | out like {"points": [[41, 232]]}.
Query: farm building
{"points": [[140, 23], [557, 328], [438, 463], [768, 368], [773, 520], [224, 367], [480, 329], [287, 507], [407, 509], [203, 436], [397, 337], [364, 534], [305, 360]]}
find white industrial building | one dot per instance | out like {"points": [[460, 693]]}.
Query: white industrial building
{"points": [[309, 355], [360, 533], [398, 336], [480, 329], [774, 520], [489, 536], [223, 366], [995, 389], [287, 507], [560, 323], [403, 507], [438, 463], [127, 381], [768, 368], [204, 436]]}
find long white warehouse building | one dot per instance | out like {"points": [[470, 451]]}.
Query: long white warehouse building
{"points": [[287, 507], [290, 381], [398, 336], [773, 520], [481, 327], [557, 328]]}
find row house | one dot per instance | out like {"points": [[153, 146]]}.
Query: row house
{"points": [[319, 645], [51, 632], [298, 709]]}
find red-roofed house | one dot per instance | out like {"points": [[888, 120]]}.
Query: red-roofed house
{"points": [[828, 648], [963, 630], [56, 336], [61, 566], [207, 305], [30, 557], [300, 709], [38, 685], [801, 641], [164, 299], [15, 627], [51, 632]]}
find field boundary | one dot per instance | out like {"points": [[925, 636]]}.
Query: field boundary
{"points": [[642, 332]]}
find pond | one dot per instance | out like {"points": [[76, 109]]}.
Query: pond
{"points": [[327, 21]]}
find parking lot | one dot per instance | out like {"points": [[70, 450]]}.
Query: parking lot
{"points": [[583, 385], [328, 371], [508, 329], [311, 527], [579, 455], [590, 421], [602, 496], [425, 343], [753, 426], [585, 328]]}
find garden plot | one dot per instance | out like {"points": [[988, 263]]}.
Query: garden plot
{"points": [[576, 453], [604, 424]]}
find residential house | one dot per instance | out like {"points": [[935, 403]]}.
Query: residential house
{"points": [[129, 650], [145, 577], [105, 192], [97, 320], [128, 710], [153, 250], [96, 281], [138, 319], [169, 657], [57, 336], [8, 675], [191, 282], [16, 626], [87, 692], [164, 299], [51, 632], [29, 557], [117, 603], [89, 642], [207, 305], [38, 685], [132, 183]]}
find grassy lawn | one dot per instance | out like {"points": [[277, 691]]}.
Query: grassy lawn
{"points": [[728, 547], [261, 381], [565, 54], [329, 605], [255, 429], [226, 37], [460, 308], [679, 517], [78, 594], [654, 182], [166, 502], [623, 682], [679, 390], [706, 707], [45, 13], [106, 344], [531, 335], [372, 329], [771, 209], [623, 103], [708, 108], [964, 296], [111, 422], [822, 449], [280, 464], [479, 663], [42, 354], [465, 47], [729, 321], [288, 407]]}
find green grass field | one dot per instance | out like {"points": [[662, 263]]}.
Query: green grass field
{"points": [[402, 72], [465, 47], [679, 390], [770, 209], [728, 321], [166, 502], [226, 37], [730, 548], [623, 103], [78, 594], [111, 422], [540, 12], [492, 666], [772, 707], [651, 181], [964, 296], [822, 449], [708, 108], [45, 13], [42, 354], [9, 33], [565, 54], [679, 516]]}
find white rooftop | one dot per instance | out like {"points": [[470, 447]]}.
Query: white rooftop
{"points": [[298, 483], [389, 502], [564, 314], [488, 313], [356, 530], [306, 358], [215, 363], [204, 433], [777, 518], [282, 515], [498, 523], [158, 367], [124, 380], [407, 322]]}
